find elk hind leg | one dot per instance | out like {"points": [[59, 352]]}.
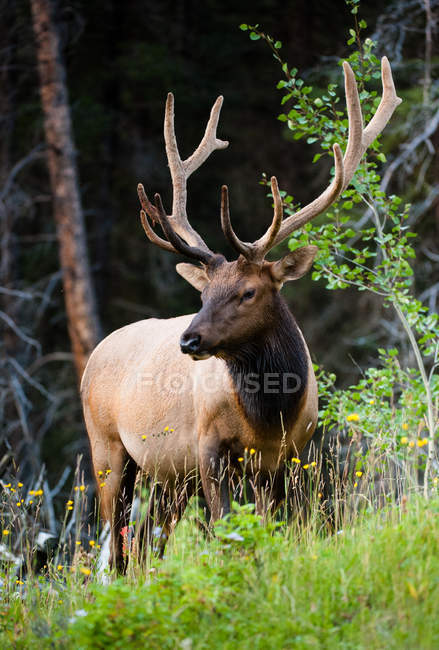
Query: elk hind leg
{"points": [[165, 509]]}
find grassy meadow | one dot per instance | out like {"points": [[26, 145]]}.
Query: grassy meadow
{"points": [[369, 581]]}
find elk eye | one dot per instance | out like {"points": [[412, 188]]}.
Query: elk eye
{"points": [[248, 294]]}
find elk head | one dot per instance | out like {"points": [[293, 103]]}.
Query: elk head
{"points": [[241, 298]]}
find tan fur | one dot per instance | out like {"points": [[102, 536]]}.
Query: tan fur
{"points": [[128, 392]]}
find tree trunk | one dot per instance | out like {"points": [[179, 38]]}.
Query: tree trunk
{"points": [[82, 318]]}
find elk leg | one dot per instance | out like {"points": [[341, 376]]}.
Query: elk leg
{"points": [[165, 509], [115, 474], [214, 471]]}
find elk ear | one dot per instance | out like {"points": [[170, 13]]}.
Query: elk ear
{"points": [[294, 265], [195, 275]]}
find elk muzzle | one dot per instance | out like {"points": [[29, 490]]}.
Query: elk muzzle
{"points": [[196, 340], [190, 343]]}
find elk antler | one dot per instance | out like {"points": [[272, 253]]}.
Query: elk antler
{"points": [[175, 241], [180, 172], [259, 248], [359, 140]]}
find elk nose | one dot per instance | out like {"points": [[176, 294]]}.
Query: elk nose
{"points": [[190, 343]]}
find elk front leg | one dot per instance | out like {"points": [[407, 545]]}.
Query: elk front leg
{"points": [[115, 475], [215, 478]]}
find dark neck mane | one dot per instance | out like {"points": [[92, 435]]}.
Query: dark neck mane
{"points": [[270, 373]]}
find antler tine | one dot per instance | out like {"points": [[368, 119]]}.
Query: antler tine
{"points": [[181, 170], [150, 210], [176, 242], [209, 142], [153, 237], [242, 247], [262, 245], [359, 140], [255, 251], [319, 205]]}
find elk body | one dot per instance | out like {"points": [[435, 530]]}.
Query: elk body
{"points": [[189, 395]]}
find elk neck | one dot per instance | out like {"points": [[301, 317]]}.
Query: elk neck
{"points": [[270, 372]]}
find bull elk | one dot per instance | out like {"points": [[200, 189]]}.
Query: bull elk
{"points": [[148, 404]]}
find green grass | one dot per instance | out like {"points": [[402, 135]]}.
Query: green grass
{"points": [[373, 585]]}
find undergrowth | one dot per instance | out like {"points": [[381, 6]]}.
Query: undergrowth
{"points": [[370, 585]]}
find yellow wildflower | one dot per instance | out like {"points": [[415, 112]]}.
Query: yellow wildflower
{"points": [[19, 484], [100, 472], [6, 532], [31, 502], [353, 417], [60, 567], [306, 466], [78, 542], [38, 493], [405, 426], [82, 488], [92, 542], [355, 484], [31, 492], [143, 437], [359, 474], [76, 488], [85, 571], [320, 495], [8, 485], [371, 401], [422, 442], [102, 484], [313, 464], [252, 451], [19, 582], [70, 502], [411, 443], [404, 440], [296, 460], [108, 471], [166, 429], [18, 503], [240, 459], [69, 507]]}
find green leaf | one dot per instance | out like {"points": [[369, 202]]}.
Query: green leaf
{"points": [[254, 36], [278, 45], [244, 27]]}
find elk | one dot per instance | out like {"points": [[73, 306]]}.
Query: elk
{"points": [[148, 402]]}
